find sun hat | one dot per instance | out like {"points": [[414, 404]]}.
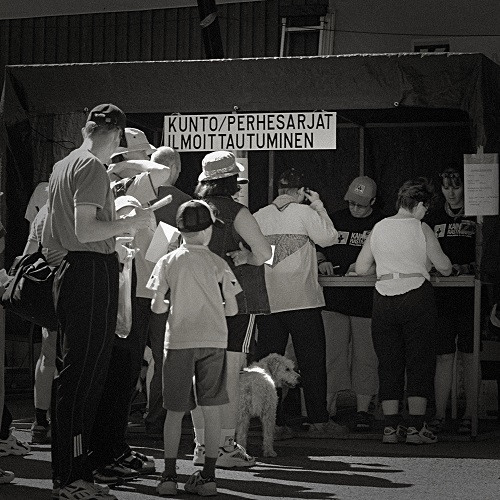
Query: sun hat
{"points": [[194, 215], [126, 201], [135, 140], [362, 190], [219, 164], [291, 178], [108, 113]]}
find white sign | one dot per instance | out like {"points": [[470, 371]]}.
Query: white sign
{"points": [[251, 131], [481, 184]]}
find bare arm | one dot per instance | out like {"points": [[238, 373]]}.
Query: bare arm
{"points": [[158, 304], [434, 252], [260, 250], [365, 263], [88, 228]]}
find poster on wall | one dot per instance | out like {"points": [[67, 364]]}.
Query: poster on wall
{"points": [[251, 131], [481, 179]]}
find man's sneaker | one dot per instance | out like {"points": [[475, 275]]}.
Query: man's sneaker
{"points": [[423, 436], [56, 488], [282, 432], [326, 430], [167, 486], [237, 457], [12, 446], [6, 476], [83, 490], [201, 486], [40, 434], [362, 422], [394, 436], [114, 474], [139, 462]]}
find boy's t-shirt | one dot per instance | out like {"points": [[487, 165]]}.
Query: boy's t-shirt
{"points": [[199, 281]]}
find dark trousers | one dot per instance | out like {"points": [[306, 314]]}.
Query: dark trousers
{"points": [[404, 332], [308, 336], [156, 413], [6, 421], [86, 297], [108, 436]]}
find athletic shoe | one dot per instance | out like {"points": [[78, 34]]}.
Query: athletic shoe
{"points": [[362, 422], [167, 486], [394, 436], [237, 457], [326, 430], [83, 490], [114, 473], [6, 476], [423, 436], [139, 462], [12, 446], [40, 434], [282, 432], [436, 425], [56, 488], [205, 487]]}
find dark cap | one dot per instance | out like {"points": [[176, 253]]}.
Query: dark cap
{"points": [[194, 215], [108, 113], [291, 179]]}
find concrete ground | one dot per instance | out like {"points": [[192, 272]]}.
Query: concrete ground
{"points": [[356, 467]]}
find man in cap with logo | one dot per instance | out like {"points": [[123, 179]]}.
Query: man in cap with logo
{"points": [[295, 295], [351, 362], [82, 221]]}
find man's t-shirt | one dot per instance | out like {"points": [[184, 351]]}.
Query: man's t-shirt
{"points": [[352, 233]]}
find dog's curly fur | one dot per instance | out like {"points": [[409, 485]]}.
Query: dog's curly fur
{"points": [[258, 397]]}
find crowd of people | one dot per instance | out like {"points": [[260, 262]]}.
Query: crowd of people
{"points": [[234, 287]]}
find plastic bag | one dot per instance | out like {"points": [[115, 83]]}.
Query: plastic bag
{"points": [[124, 317]]}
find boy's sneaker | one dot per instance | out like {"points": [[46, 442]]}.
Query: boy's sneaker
{"points": [[326, 430], [167, 486], [394, 436], [6, 476], [237, 457], [40, 434], [362, 422], [12, 446], [139, 462], [83, 490], [423, 436], [201, 486]]}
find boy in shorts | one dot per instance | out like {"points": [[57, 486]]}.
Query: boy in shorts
{"points": [[203, 291]]}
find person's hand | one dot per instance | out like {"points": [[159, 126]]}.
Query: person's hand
{"points": [[326, 268], [139, 218], [311, 195], [239, 256]]}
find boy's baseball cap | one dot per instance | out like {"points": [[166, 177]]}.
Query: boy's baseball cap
{"points": [[219, 164], [108, 113], [291, 179], [134, 140], [362, 190], [194, 215]]}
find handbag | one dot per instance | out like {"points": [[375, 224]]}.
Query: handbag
{"points": [[28, 290]]}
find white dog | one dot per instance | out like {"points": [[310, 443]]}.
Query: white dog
{"points": [[258, 397]]}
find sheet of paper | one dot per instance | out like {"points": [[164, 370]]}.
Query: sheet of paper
{"points": [[481, 184], [271, 259], [164, 235]]}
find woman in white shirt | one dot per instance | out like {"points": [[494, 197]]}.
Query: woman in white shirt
{"points": [[401, 250]]}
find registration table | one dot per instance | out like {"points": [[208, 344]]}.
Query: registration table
{"points": [[465, 280]]}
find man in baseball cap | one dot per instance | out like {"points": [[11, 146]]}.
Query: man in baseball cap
{"points": [[108, 113]]}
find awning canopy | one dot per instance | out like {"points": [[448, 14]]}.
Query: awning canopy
{"points": [[367, 88]]}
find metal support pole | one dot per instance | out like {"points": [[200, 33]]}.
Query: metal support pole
{"points": [[210, 29]]}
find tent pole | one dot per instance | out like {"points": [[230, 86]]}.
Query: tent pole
{"points": [[361, 150], [270, 178]]}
